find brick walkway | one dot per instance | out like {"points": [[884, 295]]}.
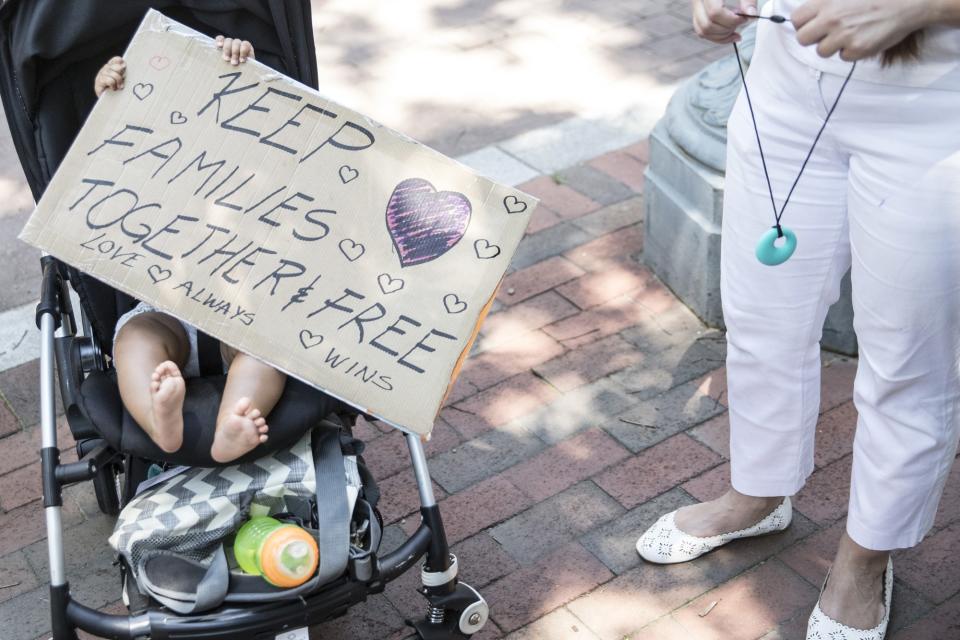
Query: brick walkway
{"points": [[594, 402]]}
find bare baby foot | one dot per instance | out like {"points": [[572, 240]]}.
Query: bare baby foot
{"points": [[167, 389], [238, 432]]}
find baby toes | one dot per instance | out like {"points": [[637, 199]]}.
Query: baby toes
{"points": [[243, 407]]}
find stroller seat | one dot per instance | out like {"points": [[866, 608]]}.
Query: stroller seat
{"points": [[299, 409]]}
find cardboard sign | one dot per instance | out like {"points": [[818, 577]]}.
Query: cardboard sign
{"points": [[282, 223]]}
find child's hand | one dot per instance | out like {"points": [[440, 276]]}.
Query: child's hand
{"points": [[110, 76], [235, 50]]}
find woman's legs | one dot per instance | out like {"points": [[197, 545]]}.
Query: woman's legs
{"points": [[149, 352], [904, 212], [905, 235], [252, 390], [774, 315]]}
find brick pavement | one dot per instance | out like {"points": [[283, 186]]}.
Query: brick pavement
{"points": [[595, 402]]}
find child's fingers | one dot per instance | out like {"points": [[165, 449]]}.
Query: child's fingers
{"points": [[235, 50], [246, 51], [113, 79], [101, 84], [225, 44]]}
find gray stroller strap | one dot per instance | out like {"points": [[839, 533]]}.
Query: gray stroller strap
{"points": [[333, 514], [333, 509]]}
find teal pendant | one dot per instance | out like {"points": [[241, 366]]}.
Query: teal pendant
{"points": [[769, 253]]}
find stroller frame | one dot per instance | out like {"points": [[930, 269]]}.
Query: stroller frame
{"points": [[455, 610]]}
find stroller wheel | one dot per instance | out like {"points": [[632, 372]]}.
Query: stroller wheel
{"points": [[475, 615], [464, 613]]}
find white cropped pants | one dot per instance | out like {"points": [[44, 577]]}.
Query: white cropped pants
{"points": [[881, 195]]}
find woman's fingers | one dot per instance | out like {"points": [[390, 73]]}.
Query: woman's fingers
{"points": [[831, 39], [235, 51], [856, 29], [733, 37], [812, 31], [722, 17], [749, 7], [804, 14], [246, 51], [715, 22], [830, 44], [219, 41]]}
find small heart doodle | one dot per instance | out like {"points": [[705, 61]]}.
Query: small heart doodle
{"points": [[348, 174], [485, 250], [159, 62], [309, 339], [177, 118], [158, 274], [513, 204], [351, 250], [454, 304], [142, 90], [389, 284]]}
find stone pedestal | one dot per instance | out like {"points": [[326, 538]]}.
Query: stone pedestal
{"points": [[684, 198], [684, 204]]}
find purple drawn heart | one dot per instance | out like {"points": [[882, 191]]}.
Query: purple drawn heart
{"points": [[425, 223]]}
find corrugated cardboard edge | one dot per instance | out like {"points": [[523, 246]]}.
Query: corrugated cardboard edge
{"points": [[466, 350]]}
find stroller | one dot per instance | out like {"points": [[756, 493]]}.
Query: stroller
{"points": [[50, 52]]}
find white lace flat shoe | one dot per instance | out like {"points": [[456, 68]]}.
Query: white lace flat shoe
{"points": [[664, 543], [823, 627]]}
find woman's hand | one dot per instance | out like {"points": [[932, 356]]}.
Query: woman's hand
{"points": [[717, 23], [859, 28], [110, 76], [235, 50]]}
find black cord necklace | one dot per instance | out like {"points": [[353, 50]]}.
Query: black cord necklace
{"points": [[767, 251]]}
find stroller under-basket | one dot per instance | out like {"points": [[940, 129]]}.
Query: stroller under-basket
{"points": [[50, 52]]}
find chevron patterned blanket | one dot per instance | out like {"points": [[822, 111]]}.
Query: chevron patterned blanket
{"points": [[192, 513]]}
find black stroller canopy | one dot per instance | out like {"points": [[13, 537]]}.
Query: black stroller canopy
{"points": [[51, 51]]}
